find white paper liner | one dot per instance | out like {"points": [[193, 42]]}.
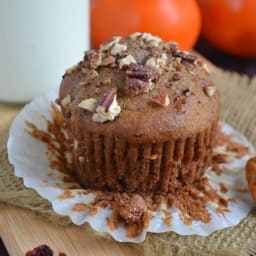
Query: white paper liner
{"points": [[27, 154]]}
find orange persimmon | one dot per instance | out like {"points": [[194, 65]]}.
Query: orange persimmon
{"points": [[172, 20], [230, 25]]}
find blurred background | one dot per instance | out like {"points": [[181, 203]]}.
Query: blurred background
{"points": [[224, 31], [40, 39]]}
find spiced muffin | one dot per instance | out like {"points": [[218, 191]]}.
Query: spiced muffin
{"points": [[141, 116]]}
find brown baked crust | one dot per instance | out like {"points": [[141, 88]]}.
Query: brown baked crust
{"points": [[148, 146]]}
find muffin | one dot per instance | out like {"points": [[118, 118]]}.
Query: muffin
{"points": [[141, 116]]}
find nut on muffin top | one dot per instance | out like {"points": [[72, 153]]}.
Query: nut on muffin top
{"points": [[140, 81]]}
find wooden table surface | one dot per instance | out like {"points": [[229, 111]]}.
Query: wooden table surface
{"points": [[21, 230]]}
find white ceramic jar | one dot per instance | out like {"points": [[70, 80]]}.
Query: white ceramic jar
{"points": [[39, 40]]}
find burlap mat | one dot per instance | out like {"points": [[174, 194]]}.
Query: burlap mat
{"points": [[238, 109]]}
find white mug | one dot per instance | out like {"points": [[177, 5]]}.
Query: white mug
{"points": [[39, 40]]}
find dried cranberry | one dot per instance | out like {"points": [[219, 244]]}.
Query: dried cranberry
{"points": [[41, 250]]}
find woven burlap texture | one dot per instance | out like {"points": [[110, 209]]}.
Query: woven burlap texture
{"points": [[238, 109]]}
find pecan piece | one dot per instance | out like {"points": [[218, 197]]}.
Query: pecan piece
{"points": [[133, 210], [124, 62], [157, 62], [66, 101], [172, 47], [107, 98], [107, 45], [140, 79], [136, 86], [92, 59], [118, 48], [210, 90], [108, 61], [143, 73], [185, 56], [161, 99], [92, 74], [107, 107], [88, 104]]}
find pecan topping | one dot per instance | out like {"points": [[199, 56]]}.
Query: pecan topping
{"points": [[108, 61], [172, 47], [143, 73], [210, 90], [106, 46], [133, 210], [139, 78], [107, 98], [161, 99], [157, 62], [92, 59], [136, 86], [118, 48], [66, 101], [185, 56], [124, 62], [88, 104], [107, 107], [92, 74]]}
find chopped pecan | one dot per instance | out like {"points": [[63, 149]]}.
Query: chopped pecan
{"points": [[135, 35], [118, 48], [107, 45], [88, 104], [136, 86], [161, 99], [157, 62], [92, 59], [124, 62], [92, 74], [133, 210], [153, 40], [185, 56], [172, 47], [107, 98], [143, 73], [107, 107], [66, 101], [140, 79], [108, 61], [210, 90]]}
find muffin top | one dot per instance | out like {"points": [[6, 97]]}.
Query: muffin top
{"points": [[139, 88]]}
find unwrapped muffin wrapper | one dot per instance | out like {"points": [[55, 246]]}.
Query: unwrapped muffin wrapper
{"points": [[28, 155]]}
